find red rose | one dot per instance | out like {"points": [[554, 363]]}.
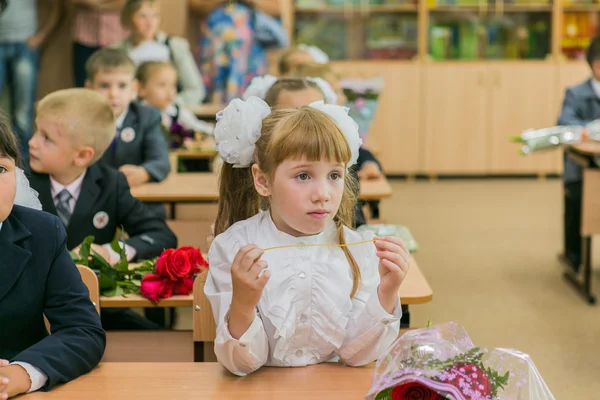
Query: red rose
{"points": [[471, 380], [173, 264], [195, 256], [154, 287], [414, 391], [184, 285], [163, 260]]}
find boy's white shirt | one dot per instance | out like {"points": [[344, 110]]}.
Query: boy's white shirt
{"points": [[187, 119]]}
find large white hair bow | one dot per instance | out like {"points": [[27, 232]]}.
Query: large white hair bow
{"points": [[25, 195], [346, 124], [324, 86], [259, 86], [238, 129], [318, 55]]}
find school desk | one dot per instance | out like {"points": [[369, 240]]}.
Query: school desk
{"points": [[587, 155], [210, 381]]}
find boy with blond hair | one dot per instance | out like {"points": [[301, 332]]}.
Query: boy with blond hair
{"points": [[74, 128]]}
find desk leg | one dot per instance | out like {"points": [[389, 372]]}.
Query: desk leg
{"points": [[585, 287], [405, 320], [173, 208], [198, 351]]}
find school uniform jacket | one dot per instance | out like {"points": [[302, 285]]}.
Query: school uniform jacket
{"points": [[140, 141], [37, 278], [104, 205]]}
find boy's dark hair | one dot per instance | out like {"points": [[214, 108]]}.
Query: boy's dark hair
{"points": [[9, 145], [593, 51], [108, 58]]}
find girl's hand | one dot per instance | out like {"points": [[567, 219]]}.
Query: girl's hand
{"points": [[394, 261], [245, 270], [247, 288]]}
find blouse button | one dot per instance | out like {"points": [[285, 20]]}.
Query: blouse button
{"points": [[303, 318], [299, 353], [302, 275]]}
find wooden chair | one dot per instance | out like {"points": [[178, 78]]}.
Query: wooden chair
{"points": [[205, 329], [91, 281], [192, 233]]}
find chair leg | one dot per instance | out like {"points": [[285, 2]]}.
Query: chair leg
{"points": [[198, 351]]}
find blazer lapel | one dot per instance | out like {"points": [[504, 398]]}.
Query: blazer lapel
{"points": [[41, 183], [90, 192], [14, 256]]}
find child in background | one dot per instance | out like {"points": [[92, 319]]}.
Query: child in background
{"points": [[370, 167], [158, 88], [74, 128], [299, 55], [37, 278], [139, 148], [312, 304]]}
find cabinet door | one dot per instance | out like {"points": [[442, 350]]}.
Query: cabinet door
{"points": [[522, 96], [394, 133], [455, 118]]}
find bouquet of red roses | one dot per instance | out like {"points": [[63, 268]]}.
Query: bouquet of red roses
{"points": [[174, 272]]}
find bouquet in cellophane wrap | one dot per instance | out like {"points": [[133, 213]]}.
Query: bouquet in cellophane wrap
{"points": [[546, 138], [441, 362]]}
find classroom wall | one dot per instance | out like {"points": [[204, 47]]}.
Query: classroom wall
{"points": [[56, 65]]}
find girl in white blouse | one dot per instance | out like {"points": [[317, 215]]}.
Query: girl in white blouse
{"points": [[303, 304]]}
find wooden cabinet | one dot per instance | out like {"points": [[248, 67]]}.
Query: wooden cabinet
{"points": [[395, 133], [520, 96], [454, 118]]}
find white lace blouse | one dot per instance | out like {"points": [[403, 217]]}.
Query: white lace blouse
{"points": [[305, 315]]}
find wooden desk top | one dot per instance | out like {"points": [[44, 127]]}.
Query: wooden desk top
{"points": [[200, 381], [587, 148], [414, 290], [193, 186], [203, 186], [206, 110]]}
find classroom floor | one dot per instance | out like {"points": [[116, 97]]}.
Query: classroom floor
{"points": [[488, 249]]}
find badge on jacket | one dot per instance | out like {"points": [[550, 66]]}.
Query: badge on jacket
{"points": [[100, 220], [127, 135]]}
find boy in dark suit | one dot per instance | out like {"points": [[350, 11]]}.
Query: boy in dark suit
{"points": [[580, 107], [139, 148], [74, 128], [37, 278]]}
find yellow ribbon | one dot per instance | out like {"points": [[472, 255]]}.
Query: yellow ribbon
{"points": [[320, 245]]}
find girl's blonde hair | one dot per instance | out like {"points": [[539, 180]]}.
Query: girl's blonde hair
{"points": [[130, 8], [289, 133], [290, 85]]}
